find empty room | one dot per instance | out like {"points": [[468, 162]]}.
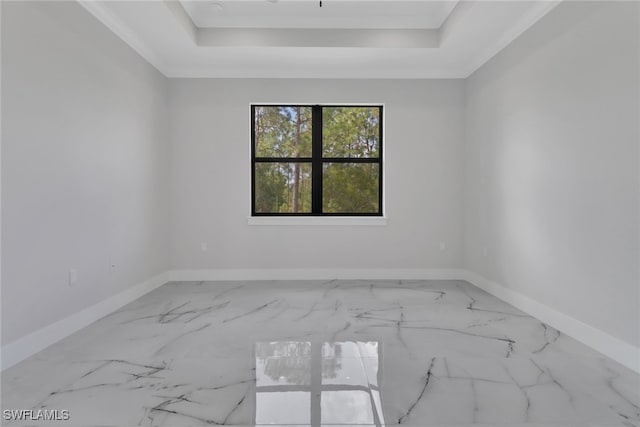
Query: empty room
{"points": [[320, 213]]}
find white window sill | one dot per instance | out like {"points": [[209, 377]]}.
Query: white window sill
{"points": [[327, 220]]}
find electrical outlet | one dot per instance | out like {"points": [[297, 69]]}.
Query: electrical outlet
{"points": [[204, 247], [112, 268], [443, 247], [485, 251]]}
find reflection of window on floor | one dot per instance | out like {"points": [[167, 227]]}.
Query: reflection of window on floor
{"points": [[318, 383]]}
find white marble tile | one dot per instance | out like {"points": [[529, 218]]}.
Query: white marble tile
{"points": [[323, 353]]}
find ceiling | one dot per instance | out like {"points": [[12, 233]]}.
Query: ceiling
{"points": [[379, 14], [301, 39]]}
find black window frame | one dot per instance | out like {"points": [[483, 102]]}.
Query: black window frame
{"points": [[317, 161]]}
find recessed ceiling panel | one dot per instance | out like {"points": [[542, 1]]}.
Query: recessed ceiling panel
{"points": [[383, 14], [163, 33]]}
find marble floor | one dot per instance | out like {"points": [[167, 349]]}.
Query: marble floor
{"points": [[369, 353]]}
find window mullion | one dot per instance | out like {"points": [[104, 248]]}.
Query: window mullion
{"points": [[316, 162], [253, 160], [380, 148]]}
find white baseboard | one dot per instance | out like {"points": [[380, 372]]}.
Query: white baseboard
{"points": [[618, 350], [315, 274], [615, 348], [29, 345]]}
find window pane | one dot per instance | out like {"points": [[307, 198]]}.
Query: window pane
{"points": [[283, 131], [350, 187], [350, 132], [283, 187]]}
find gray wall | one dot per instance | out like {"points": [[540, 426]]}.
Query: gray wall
{"points": [[530, 177], [84, 164], [552, 176], [211, 174]]}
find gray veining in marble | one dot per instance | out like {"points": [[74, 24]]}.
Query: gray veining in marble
{"points": [[369, 353]]}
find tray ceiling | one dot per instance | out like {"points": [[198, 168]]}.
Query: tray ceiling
{"points": [[300, 39], [394, 14]]}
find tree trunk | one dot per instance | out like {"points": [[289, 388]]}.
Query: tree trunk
{"points": [[296, 166]]}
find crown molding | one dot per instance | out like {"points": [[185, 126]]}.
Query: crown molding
{"points": [[237, 73], [183, 18], [540, 9], [123, 32]]}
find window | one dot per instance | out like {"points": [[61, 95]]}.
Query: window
{"points": [[318, 383], [318, 160]]}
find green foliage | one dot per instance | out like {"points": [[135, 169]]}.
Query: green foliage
{"points": [[285, 132], [350, 132], [350, 187], [275, 189]]}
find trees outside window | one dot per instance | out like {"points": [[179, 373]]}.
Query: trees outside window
{"points": [[316, 160]]}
